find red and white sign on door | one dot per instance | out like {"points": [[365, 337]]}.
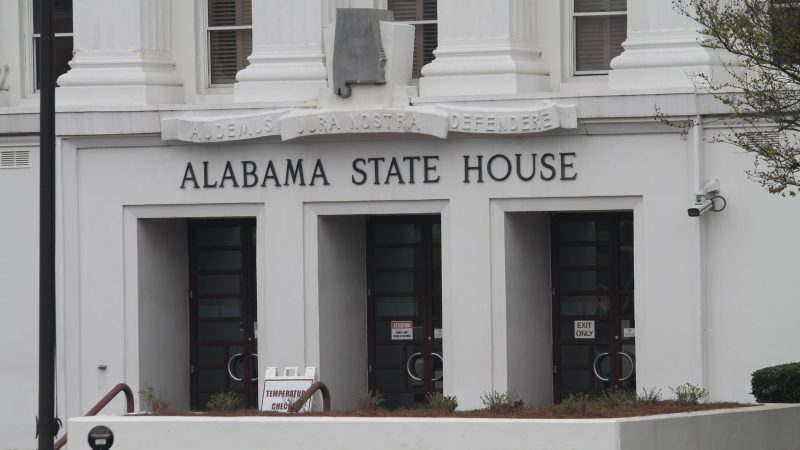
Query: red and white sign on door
{"points": [[402, 330], [584, 329]]}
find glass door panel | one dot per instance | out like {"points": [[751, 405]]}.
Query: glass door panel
{"points": [[593, 303], [222, 310], [404, 308]]}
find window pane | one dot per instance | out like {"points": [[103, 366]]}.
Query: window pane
{"points": [[217, 236], [397, 306], [221, 331], [219, 260], [229, 13], [219, 307], [582, 6], [619, 32], [430, 39], [62, 16], [228, 52], [210, 355], [584, 305], [405, 233], [583, 231], [429, 10], [591, 43], [219, 284], [62, 55], [585, 280], [426, 35], [598, 40], [211, 380], [575, 354], [404, 10], [399, 282], [590, 255]]}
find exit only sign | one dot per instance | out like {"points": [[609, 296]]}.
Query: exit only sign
{"points": [[584, 329]]}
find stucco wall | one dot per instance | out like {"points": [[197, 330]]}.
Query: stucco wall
{"points": [[751, 268], [343, 307], [19, 296], [650, 168], [163, 268]]}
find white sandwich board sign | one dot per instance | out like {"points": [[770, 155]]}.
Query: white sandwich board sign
{"points": [[281, 391]]}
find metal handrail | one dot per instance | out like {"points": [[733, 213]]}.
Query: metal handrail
{"points": [[317, 386], [121, 387]]}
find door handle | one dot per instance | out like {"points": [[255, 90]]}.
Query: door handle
{"points": [[413, 359], [230, 366], [442, 360], [597, 359], [600, 357], [633, 365]]}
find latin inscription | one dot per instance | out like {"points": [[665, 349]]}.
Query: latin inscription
{"points": [[355, 122], [434, 120], [228, 128], [510, 120], [417, 121], [502, 123]]}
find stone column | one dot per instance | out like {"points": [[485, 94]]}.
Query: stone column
{"points": [[122, 54], [663, 50], [485, 48], [288, 63]]}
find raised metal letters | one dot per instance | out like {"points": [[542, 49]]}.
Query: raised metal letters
{"points": [[358, 55]]}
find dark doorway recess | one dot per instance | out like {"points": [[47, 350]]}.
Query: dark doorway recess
{"points": [[222, 309], [593, 316], [404, 279]]}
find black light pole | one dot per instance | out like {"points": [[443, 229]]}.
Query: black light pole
{"points": [[47, 427]]}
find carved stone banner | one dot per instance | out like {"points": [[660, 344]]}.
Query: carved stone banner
{"points": [[419, 120], [226, 128], [437, 120], [510, 120]]}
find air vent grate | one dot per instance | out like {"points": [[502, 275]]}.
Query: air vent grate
{"points": [[15, 159]]}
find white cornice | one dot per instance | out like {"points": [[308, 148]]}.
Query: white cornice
{"points": [[617, 107]]}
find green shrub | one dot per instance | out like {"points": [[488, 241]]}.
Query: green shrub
{"points": [[575, 402], [369, 400], [689, 394], [223, 401], [650, 396], [153, 401], [440, 402], [617, 397], [501, 401], [777, 384]]}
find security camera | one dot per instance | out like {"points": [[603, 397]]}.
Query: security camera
{"points": [[704, 200], [700, 207]]}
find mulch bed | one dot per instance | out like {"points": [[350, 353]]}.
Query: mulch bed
{"points": [[587, 410]]}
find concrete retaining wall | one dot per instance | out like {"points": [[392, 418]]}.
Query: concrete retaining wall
{"points": [[771, 427]]}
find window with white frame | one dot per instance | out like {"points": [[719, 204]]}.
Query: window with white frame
{"points": [[229, 39], [784, 29], [421, 14], [62, 44], [599, 27]]}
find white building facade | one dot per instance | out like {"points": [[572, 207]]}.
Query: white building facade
{"points": [[476, 223]]}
